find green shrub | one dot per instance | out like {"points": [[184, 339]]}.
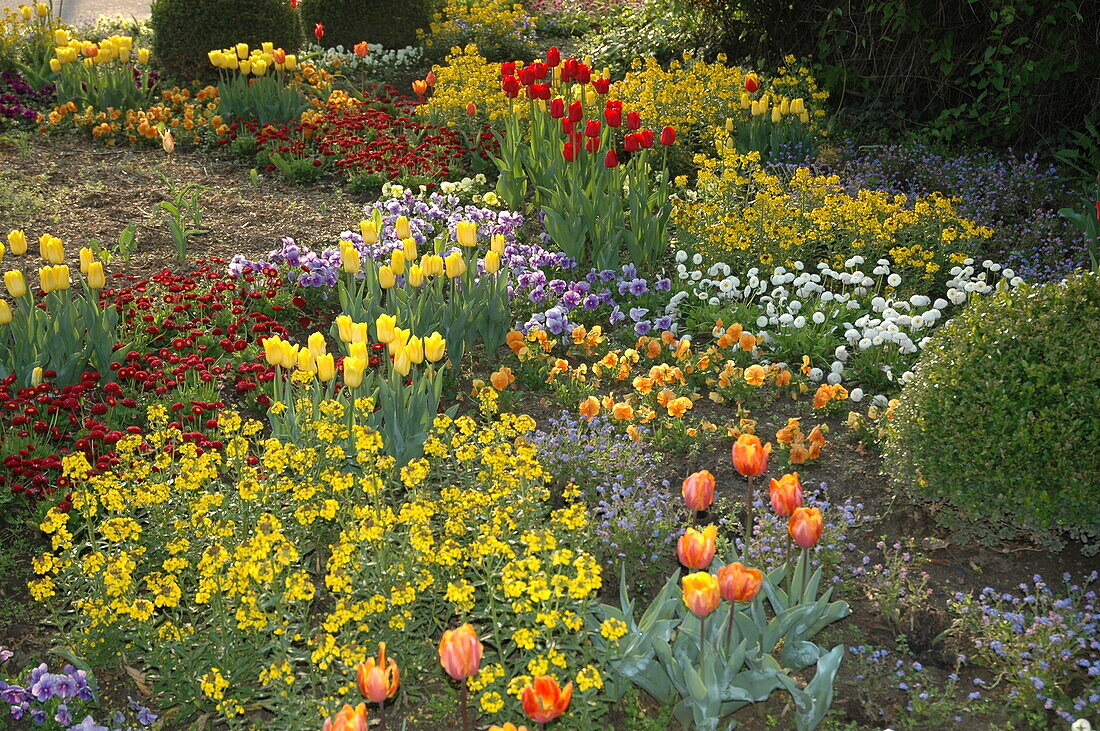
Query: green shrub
{"points": [[184, 31], [347, 22], [1000, 427]]}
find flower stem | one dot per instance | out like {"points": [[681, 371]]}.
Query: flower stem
{"points": [[749, 521], [462, 707], [729, 625], [702, 638]]}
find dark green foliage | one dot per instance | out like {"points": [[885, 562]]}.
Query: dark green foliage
{"points": [[1000, 428], [184, 31], [990, 71], [392, 23]]}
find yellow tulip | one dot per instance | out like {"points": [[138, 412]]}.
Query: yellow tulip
{"points": [[358, 350], [343, 327], [492, 262], [60, 37], [369, 231], [804, 117], [288, 354], [271, 350], [242, 51], [401, 228], [61, 277], [5, 312], [397, 261], [416, 276], [291, 62], [409, 247], [16, 284], [386, 278], [259, 67], [2, 252], [96, 277], [466, 233], [401, 362], [798, 105], [349, 257], [41, 9], [36, 376], [359, 332], [17, 240], [55, 65], [777, 115], [143, 55], [432, 264], [456, 265], [415, 350], [217, 58], [316, 343], [55, 252], [785, 107], [497, 244], [400, 338], [48, 279], [326, 367], [384, 328], [267, 47], [435, 347], [26, 12], [86, 258], [353, 372], [245, 67], [306, 361]]}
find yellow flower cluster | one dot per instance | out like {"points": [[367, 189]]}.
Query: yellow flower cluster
{"points": [[300, 556], [501, 27], [465, 77], [741, 213], [256, 61], [697, 97]]}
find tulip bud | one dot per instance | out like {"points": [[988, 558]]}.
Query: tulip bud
{"points": [[557, 108], [291, 62], [415, 350], [471, 109], [434, 347], [242, 51], [17, 240], [401, 362], [397, 261], [432, 265], [353, 372], [806, 526], [349, 258], [259, 67], [25, 12], [361, 49], [668, 136], [384, 328], [786, 494], [167, 141], [752, 83], [41, 10], [326, 366], [456, 265], [701, 593], [86, 258], [143, 55], [55, 65], [739, 584], [497, 243], [16, 284], [306, 361], [408, 245], [316, 343], [359, 332], [245, 67], [416, 276], [60, 37], [96, 278], [460, 652], [369, 231], [358, 349], [343, 327], [5, 312], [698, 490], [386, 278], [288, 355], [696, 548], [466, 233], [492, 262], [420, 87], [611, 160], [777, 116], [36, 376], [47, 279], [750, 457], [278, 56], [401, 228]]}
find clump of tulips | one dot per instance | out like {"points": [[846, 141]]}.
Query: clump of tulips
{"points": [[66, 331], [255, 84], [706, 669], [584, 161], [111, 74]]}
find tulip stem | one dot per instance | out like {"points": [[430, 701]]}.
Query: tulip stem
{"points": [[749, 521], [462, 707], [702, 638], [787, 561], [382, 716], [729, 625], [805, 559]]}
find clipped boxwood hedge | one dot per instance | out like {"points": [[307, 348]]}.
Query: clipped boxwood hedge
{"points": [[392, 23], [1000, 427], [184, 31]]}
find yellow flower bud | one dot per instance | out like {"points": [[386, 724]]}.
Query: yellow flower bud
{"points": [[456, 265], [798, 106], [359, 332], [397, 261], [272, 353], [316, 343], [245, 67], [401, 362], [60, 37], [326, 367], [497, 243], [416, 276], [343, 327], [353, 372], [785, 107], [466, 233], [96, 277], [369, 232], [409, 247], [400, 338], [492, 262], [5, 312], [432, 264], [216, 58], [16, 284], [267, 47], [384, 328], [435, 347], [41, 9], [288, 354], [401, 228], [777, 116], [55, 65], [306, 361], [291, 62], [349, 258], [47, 279], [62, 277], [17, 240], [26, 12], [36, 376], [259, 67], [804, 117], [143, 55], [729, 124], [86, 258], [242, 51], [386, 277], [415, 350]]}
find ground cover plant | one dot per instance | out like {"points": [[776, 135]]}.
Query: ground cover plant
{"points": [[526, 389]]}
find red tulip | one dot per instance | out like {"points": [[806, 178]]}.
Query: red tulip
{"points": [[567, 127], [592, 144], [543, 700], [430, 78], [806, 526], [668, 136], [583, 74], [510, 86], [557, 108], [751, 83], [698, 490], [601, 84], [553, 56], [633, 120], [696, 548], [576, 112], [508, 68], [739, 584], [592, 128], [319, 30], [701, 593], [471, 109], [569, 152], [646, 138], [632, 142], [295, 3], [611, 160]]}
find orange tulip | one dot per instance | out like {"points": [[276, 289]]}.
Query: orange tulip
{"points": [[378, 679], [806, 526], [543, 700], [750, 458], [739, 584], [460, 652], [348, 719], [786, 494], [471, 109], [420, 87], [696, 548], [698, 490], [361, 49], [701, 593]]}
